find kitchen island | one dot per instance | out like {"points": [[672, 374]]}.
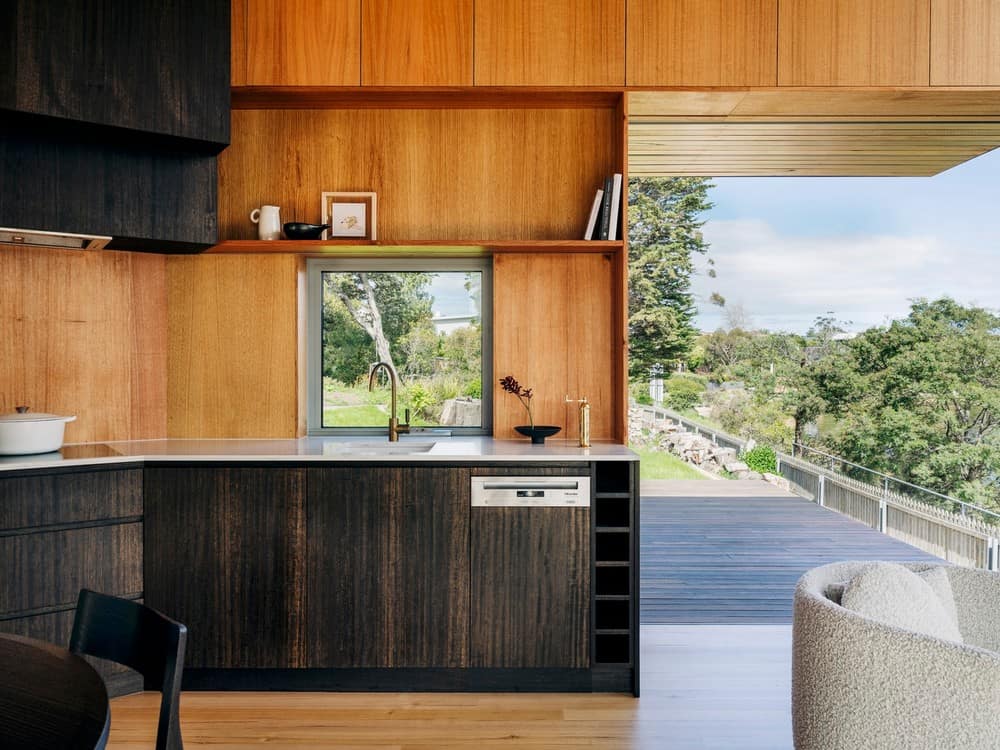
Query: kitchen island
{"points": [[321, 564]]}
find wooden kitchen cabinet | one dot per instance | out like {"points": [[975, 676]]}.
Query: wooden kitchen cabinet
{"points": [[299, 43], [702, 42], [550, 43], [388, 567], [150, 68], [965, 43], [416, 43], [225, 555], [853, 42]]}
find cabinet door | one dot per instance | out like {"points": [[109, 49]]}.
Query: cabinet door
{"points": [[303, 42], [965, 43], [225, 556], [416, 43], [155, 67], [550, 43], [530, 587], [388, 567], [702, 42], [853, 42]]}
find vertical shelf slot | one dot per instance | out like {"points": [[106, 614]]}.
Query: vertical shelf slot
{"points": [[613, 476], [612, 615], [613, 547], [612, 582], [612, 512], [611, 648]]}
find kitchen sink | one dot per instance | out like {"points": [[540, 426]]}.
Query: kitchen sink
{"points": [[351, 448]]}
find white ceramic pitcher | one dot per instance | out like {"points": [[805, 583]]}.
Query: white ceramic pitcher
{"points": [[268, 221]]}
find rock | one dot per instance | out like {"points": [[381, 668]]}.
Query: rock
{"points": [[735, 467], [751, 444], [462, 412], [778, 481]]}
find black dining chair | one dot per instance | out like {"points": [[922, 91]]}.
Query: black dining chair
{"points": [[141, 638]]}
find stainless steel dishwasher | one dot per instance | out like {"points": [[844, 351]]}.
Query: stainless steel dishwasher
{"points": [[530, 572]]}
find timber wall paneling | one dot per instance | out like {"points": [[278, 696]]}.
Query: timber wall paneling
{"points": [[416, 43], [965, 43], [440, 174], [554, 330], [853, 42], [702, 42], [234, 344], [84, 333]]}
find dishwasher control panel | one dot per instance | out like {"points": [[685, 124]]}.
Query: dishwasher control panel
{"points": [[530, 492]]}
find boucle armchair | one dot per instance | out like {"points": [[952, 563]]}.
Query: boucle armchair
{"points": [[861, 684]]}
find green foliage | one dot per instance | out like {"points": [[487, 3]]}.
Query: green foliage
{"points": [[638, 391], [664, 234], [659, 465], [683, 392], [474, 388], [762, 459], [418, 399]]}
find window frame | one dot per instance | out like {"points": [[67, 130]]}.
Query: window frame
{"points": [[316, 267]]}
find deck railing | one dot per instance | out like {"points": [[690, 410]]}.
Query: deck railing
{"points": [[960, 532]]}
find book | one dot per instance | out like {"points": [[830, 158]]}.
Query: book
{"points": [[605, 209], [595, 212], [616, 205]]}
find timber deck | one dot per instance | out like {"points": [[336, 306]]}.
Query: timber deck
{"points": [[731, 551]]}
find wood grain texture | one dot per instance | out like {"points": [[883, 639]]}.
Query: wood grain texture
{"points": [[965, 43], [46, 499], [805, 148], [56, 628], [304, 42], [226, 556], [424, 97], [416, 43], [854, 42], [550, 42], [554, 331], [238, 43], [97, 351], [388, 567], [233, 342], [530, 587], [702, 42], [439, 174], [157, 68], [48, 569]]}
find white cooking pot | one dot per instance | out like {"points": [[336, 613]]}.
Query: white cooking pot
{"points": [[22, 433]]}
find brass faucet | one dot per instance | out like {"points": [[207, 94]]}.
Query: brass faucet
{"points": [[395, 428]]}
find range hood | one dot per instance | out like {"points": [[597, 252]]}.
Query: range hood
{"points": [[38, 238]]}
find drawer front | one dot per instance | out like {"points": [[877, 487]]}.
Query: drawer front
{"points": [[69, 498], [48, 569]]}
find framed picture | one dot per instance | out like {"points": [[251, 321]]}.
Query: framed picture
{"points": [[350, 215]]}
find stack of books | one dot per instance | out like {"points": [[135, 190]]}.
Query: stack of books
{"points": [[606, 210]]}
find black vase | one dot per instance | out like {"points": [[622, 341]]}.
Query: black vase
{"points": [[538, 433]]}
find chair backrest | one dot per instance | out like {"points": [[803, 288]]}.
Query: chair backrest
{"points": [[141, 638]]}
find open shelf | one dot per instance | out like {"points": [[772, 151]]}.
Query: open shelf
{"points": [[612, 648], [614, 478], [612, 614], [611, 513], [613, 547], [402, 248], [612, 581]]}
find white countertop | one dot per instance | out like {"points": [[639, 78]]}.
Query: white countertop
{"points": [[465, 449]]}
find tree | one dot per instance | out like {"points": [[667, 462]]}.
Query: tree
{"points": [[385, 305], [920, 399], [664, 235]]}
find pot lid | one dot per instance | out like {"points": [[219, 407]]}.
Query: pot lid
{"points": [[23, 414]]}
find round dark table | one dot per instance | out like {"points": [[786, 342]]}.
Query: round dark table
{"points": [[50, 699]]}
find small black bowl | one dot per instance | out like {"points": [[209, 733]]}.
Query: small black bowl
{"points": [[539, 432], [297, 230]]}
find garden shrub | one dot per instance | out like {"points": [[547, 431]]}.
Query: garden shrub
{"points": [[761, 459]]}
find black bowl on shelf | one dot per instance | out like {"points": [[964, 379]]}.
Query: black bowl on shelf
{"points": [[539, 432], [297, 230]]}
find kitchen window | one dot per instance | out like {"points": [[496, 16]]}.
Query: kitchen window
{"points": [[429, 319]]}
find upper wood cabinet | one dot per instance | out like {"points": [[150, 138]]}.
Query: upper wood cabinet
{"points": [[550, 42], [853, 42], [416, 43], [965, 43], [702, 42], [300, 42]]}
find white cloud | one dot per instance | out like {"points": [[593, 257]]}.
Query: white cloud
{"points": [[785, 281]]}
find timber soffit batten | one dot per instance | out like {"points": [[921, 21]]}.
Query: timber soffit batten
{"points": [[810, 132]]}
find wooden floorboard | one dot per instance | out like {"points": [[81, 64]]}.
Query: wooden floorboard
{"points": [[732, 553]]}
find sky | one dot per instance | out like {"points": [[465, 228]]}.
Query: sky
{"points": [[789, 249]]}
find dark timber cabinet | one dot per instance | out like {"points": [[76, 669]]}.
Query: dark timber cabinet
{"points": [[62, 531], [388, 567]]}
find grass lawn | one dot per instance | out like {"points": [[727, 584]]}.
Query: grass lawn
{"points": [[351, 416], [657, 465]]}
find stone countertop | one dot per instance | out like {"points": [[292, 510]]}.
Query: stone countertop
{"points": [[371, 448]]}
